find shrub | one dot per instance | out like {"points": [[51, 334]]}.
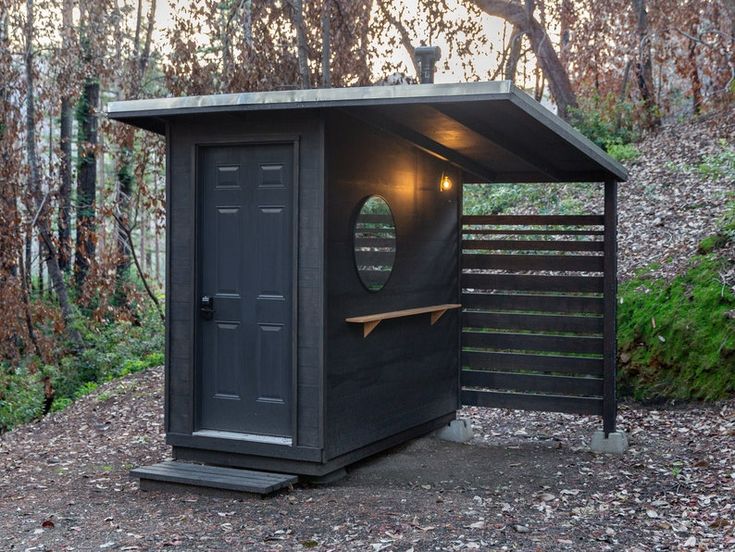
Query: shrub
{"points": [[605, 121], [114, 349], [625, 153], [491, 199], [21, 397], [720, 164]]}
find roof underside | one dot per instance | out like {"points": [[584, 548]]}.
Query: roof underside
{"points": [[492, 130]]}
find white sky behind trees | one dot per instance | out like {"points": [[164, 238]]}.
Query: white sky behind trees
{"points": [[485, 62]]}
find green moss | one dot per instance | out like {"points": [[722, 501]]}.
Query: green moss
{"points": [[677, 339], [623, 152]]}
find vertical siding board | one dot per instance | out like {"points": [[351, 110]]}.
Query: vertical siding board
{"points": [[405, 373], [610, 316], [182, 137], [169, 289]]}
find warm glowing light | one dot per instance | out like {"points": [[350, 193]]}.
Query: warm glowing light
{"points": [[445, 184]]}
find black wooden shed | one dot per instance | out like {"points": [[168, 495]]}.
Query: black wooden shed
{"points": [[315, 270]]}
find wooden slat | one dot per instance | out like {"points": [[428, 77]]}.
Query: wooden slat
{"points": [[532, 342], [536, 220], [580, 263], [528, 401], [375, 242], [532, 322], [534, 245], [375, 258], [533, 383], [218, 472], [374, 219], [520, 362], [526, 232], [533, 303], [522, 282], [373, 275], [215, 477]]}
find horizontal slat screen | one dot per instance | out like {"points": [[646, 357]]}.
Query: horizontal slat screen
{"points": [[532, 401], [532, 294], [522, 232], [537, 303], [576, 263], [534, 383], [522, 282], [535, 322], [529, 245], [484, 360], [376, 219]]}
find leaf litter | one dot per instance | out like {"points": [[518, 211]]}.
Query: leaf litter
{"points": [[527, 481]]}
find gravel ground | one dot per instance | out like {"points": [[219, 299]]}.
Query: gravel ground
{"points": [[526, 482]]}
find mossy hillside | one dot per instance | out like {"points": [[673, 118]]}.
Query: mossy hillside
{"points": [[677, 339]]}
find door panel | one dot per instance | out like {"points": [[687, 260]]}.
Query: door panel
{"points": [[245, 257]]}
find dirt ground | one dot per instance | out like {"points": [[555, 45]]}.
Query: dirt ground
{"points": [[526, 482]]}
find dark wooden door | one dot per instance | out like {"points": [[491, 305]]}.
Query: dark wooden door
{"points": [[246, 268]]}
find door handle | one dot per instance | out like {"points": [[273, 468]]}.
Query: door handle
{"points": [[206, 307]]}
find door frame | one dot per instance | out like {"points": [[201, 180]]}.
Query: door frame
{"points": [[254, 140]]}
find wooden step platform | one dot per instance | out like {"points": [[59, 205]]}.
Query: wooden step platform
{"points": [[213, 477]]}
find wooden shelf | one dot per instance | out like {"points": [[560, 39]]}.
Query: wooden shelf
{"points": [[370, 321]]}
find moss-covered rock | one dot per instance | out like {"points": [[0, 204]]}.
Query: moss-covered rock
{"points": [[677, 339]]}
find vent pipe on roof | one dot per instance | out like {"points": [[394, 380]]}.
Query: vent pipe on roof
{"points": [[427, 56]]}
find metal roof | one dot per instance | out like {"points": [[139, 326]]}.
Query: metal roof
{"points": [[493, 130]]}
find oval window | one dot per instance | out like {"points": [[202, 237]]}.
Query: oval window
{"points": [[374, 243]]}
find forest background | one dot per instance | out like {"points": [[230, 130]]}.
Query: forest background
{"points": [[82, 201]]}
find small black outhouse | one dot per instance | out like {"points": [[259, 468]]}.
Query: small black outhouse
{"points": [[314, 250]]}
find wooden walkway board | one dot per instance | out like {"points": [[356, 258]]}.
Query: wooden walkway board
{"points": [[230, 479]]}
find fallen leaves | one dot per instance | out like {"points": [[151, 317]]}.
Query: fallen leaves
{"points": [[511, 487]]}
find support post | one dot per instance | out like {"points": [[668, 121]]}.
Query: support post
{"points": [[610, 287]]}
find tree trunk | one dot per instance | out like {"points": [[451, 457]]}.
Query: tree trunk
{"points": [[554, 71], [157, 245], [86, 182], [125, 160], [326, 43], [65, 131], [143, 227], [514, 54], [644, 67], [730, 7], [301, 44], [224, 37], [41, 254], [124, 191], [37, 201], [694, 70], [247, 23], [28, 249], [566, 16]]}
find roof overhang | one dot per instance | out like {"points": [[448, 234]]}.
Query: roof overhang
{"points": [[492, 130]]}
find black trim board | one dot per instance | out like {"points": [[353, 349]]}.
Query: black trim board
{"points": [[317, 469]]}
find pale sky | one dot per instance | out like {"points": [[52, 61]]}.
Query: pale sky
{"points": [[485, 62]]}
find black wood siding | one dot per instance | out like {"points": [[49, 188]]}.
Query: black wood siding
{"points": [[184, 134], [406, 372]]}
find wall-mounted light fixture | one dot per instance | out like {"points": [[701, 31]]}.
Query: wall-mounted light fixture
{"points": [[445, 184]]}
